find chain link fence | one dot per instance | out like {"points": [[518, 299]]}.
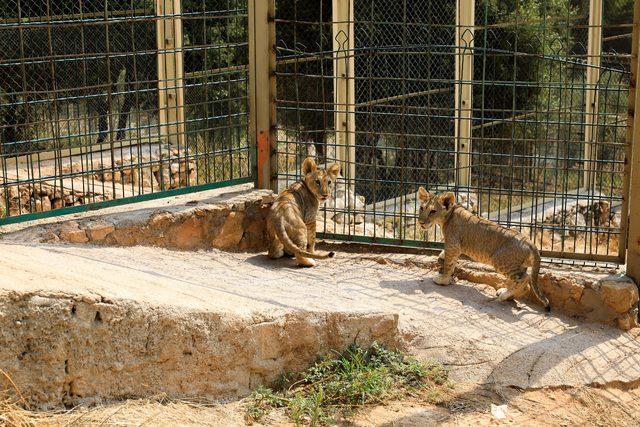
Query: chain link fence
{"points": [[119, 100], [520, 108]]}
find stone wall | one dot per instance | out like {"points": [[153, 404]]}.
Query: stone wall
{"points": [[234, 224], [603, 298], [66, 349]]}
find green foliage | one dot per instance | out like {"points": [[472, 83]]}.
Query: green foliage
{"points": [[339, 386]]}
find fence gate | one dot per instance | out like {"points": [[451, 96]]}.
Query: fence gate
{"points": [[114, 101], [520, 108]]}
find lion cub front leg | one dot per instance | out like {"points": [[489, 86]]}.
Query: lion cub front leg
{"points": [[451, 254]]}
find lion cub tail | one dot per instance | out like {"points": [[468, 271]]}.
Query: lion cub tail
{"points": [[535, 270], [291, 247]]}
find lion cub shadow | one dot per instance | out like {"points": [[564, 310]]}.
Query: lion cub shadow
{"points": [[460, 290], [288, 261]]}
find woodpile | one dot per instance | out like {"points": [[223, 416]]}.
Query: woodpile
{"points": [[164, 171], [83, 180], [42, 196]]}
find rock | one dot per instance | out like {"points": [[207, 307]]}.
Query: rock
{"points": [[99, 230], [126, 234], [160, 219], [469, 201], [187, 234], [231, 232], [619, 292], [57, 203], [563, 292], [49, 237], [72, 348], [71, 232], [42, 204]]}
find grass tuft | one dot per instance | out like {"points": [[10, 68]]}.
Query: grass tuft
{"points": [[341, 385]]}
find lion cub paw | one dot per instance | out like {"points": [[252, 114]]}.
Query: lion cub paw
{"points": [[306, 262], [442, 280], [504, 294]]}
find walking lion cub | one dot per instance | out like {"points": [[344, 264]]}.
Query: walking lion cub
{"points": [[508, 251], [291, 223]]}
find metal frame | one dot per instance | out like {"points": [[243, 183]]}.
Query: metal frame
{"points": [[470, 125], [262, 89], [344, 87], [631, 203], [465, 35], [490, 142]]}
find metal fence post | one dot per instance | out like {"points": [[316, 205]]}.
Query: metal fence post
{"points": [[594, 51], [262, 90], [344, 86], [170, 72], [631, 190], [465, 22]]}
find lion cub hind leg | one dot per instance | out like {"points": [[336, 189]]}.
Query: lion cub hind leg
{"points": [[517, 288], [299, 238], [510, 263], [276, 249]]}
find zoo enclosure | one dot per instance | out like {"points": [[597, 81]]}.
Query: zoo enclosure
{"points": [[523, 108]]}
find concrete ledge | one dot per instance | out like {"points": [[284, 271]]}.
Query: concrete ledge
{"points": [[64, 349]]}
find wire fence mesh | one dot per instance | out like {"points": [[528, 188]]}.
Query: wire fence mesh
{"points": [[119, 99], [522, 112]]}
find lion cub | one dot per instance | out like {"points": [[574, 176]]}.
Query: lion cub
{"points": [[508, 251], [291, 223]]}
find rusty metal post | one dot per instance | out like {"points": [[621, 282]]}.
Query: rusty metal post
{"points": [[262, 90]]}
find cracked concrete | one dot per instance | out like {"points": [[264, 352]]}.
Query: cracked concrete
{"points": [[160, 308]]}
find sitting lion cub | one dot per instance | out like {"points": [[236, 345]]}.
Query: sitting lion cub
{"points": [[291, 223], [508, 251]]}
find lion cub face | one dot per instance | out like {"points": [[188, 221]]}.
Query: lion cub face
{"points": [[433, 208], [319, 181]]}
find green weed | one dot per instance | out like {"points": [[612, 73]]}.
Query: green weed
{"points": [[339, 386]]}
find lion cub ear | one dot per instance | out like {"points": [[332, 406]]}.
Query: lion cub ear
{"points": [[423, 194], [447, 200], [334, 170], [308, 166]]}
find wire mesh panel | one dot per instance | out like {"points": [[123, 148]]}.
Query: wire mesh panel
{"points": [[519, 107], [550, 89], [119, 100]]}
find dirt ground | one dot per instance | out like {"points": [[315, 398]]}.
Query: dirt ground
{"points": [[463, 405]]}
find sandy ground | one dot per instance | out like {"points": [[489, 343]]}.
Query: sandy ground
{"points": [[461, 406]]}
